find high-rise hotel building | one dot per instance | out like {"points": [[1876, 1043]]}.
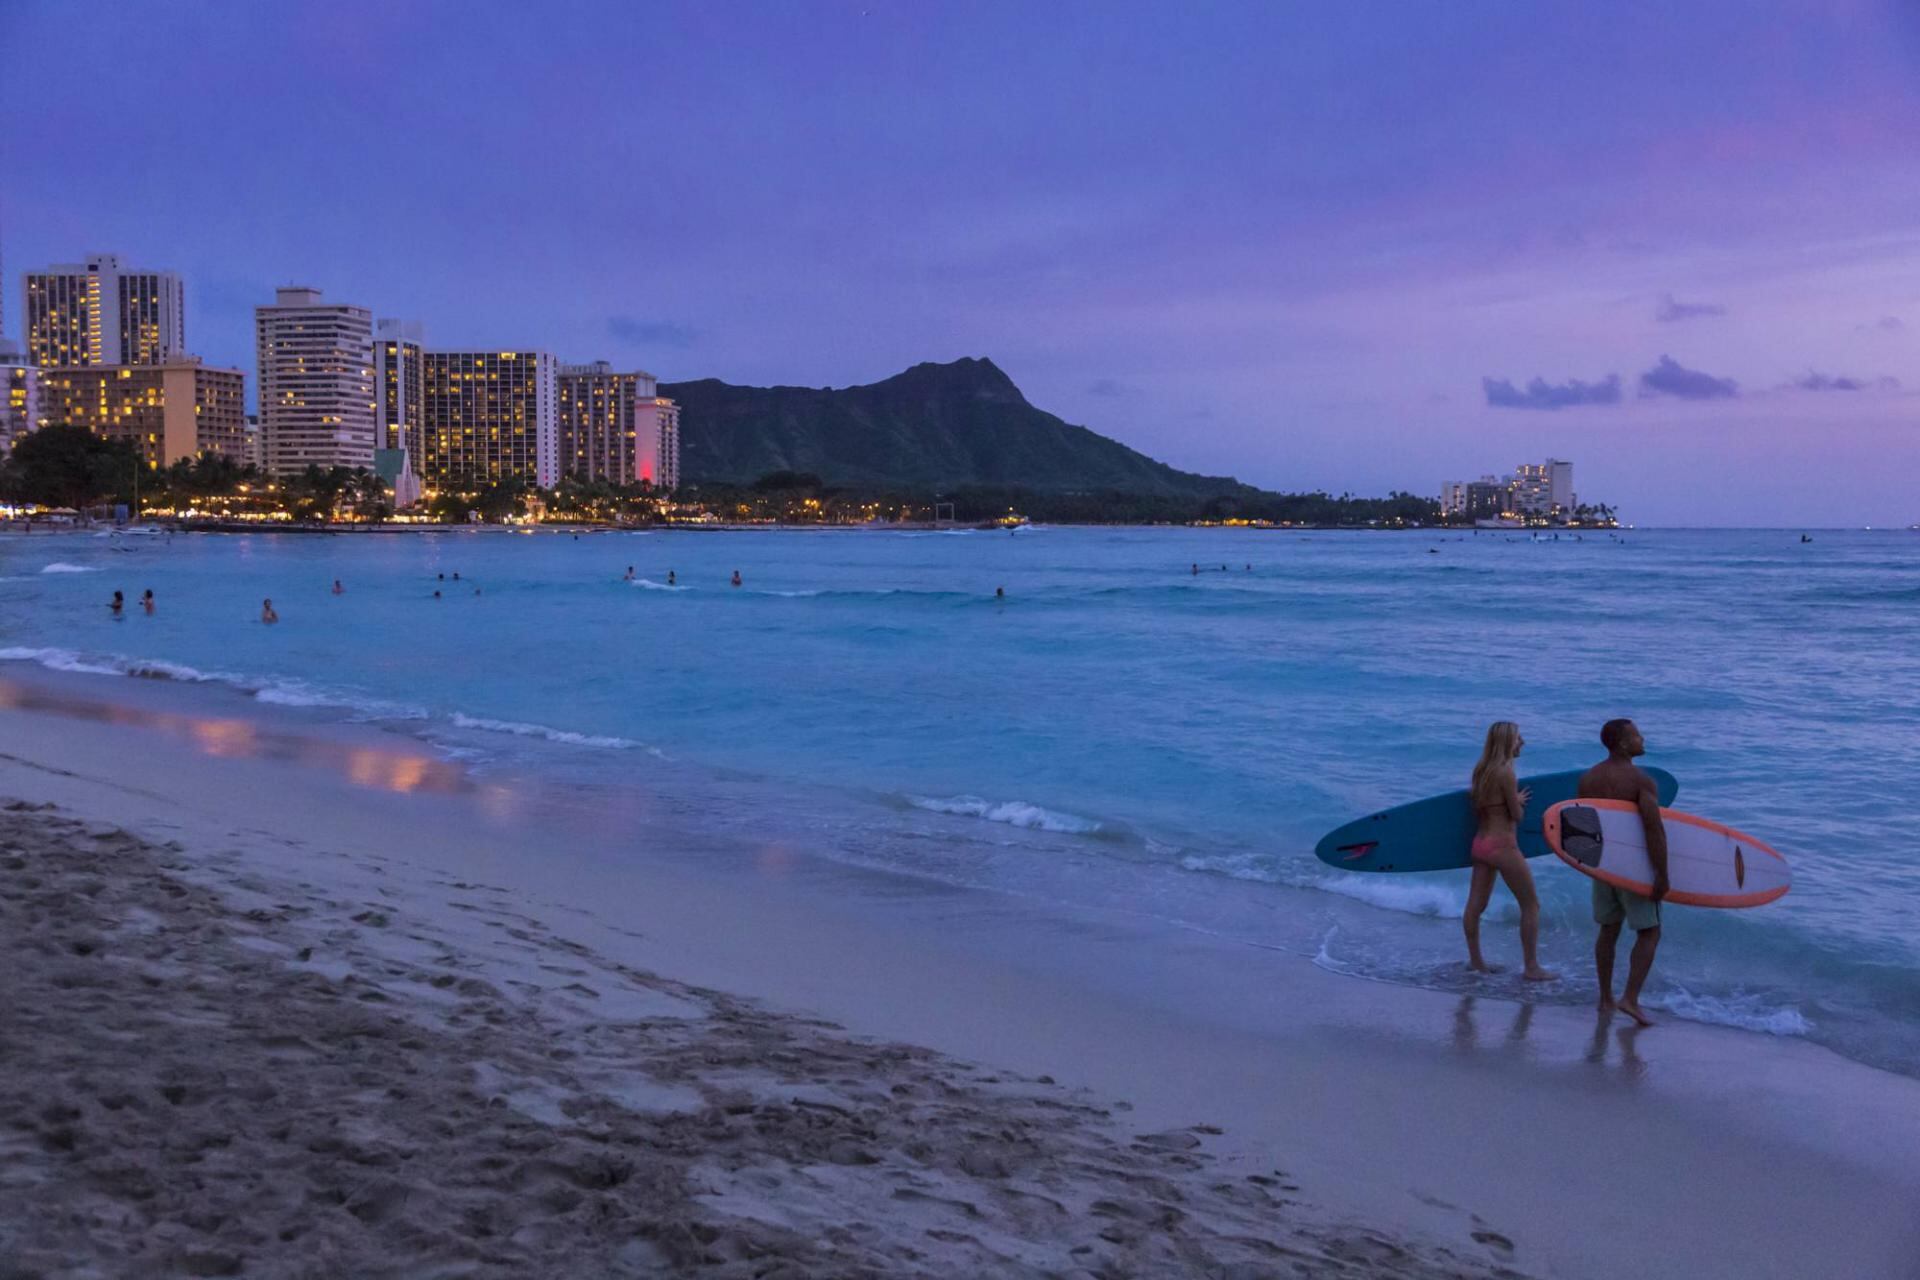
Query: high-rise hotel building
{"points": [[397, 377], [616, 427], [19, 396], [317, 396], [488, 416], [100, 312], [168, 412]]}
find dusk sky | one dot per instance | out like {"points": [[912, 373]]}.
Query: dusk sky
{"points": [[1351, 246]]}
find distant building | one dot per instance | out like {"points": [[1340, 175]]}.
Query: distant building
{"points": [[1540, 490], [488, 416], [19, 396], [168, 412], [615, 427], [397, 378], [254, 455], [316, 382], [657, 447], [100, 312]]}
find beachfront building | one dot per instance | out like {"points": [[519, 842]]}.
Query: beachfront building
{"points": [[657, 450], [19, 396], [102, 312], [489, 416], [616, 427], [317, 399], [170, 411], [1543, 488], [398, 383]]}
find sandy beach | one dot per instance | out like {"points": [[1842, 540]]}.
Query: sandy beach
{"points": [[285, 1000]]}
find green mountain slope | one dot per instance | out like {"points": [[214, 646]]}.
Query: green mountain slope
{"points": [[934, 427]]}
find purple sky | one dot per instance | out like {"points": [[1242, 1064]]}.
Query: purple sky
{"points": [[1314, 246]]}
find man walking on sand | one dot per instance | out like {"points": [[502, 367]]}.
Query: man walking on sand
{"points": [[1619, 778]]}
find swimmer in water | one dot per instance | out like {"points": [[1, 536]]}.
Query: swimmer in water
{"points": [[146, 601], [670, 578], [629, 577], [338, 589], [436, 594], [999, 593], [115, 605], [266, 612], [736, 577]]}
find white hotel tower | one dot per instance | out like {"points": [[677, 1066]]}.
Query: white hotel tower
{"points": [[99, 312], [317, 398]]}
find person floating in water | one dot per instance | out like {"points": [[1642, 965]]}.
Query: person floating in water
{"points": [[629, 577], [115, 605], [1619, 778], [146, 601], [266, 612], [736, 577], [456, 575], [436, 593], [1196, 570], [1498, 805], [338, 589], [999, 593], [670, 578]]}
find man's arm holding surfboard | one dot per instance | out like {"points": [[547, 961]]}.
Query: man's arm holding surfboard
{"points": [[1649, 803]]}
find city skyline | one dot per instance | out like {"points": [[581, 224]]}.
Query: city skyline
{"points": [[1312, 249]]}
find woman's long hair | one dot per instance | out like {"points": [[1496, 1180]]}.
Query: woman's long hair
{"points": [[1503, 744]]}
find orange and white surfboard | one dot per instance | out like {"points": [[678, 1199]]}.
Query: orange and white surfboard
{"points": [[1708, 864]]}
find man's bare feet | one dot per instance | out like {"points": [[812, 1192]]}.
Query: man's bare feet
{"points": [[1606, 1004], [1632, 1009], [1537, 974], [1481, 966]]}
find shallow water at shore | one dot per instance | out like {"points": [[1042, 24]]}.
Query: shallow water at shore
{"points": [[1119, 730]]}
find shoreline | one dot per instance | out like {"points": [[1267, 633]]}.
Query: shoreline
{"points": [[1382, 1103]]}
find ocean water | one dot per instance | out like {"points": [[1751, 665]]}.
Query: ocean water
{"points": [[1119, 731]]}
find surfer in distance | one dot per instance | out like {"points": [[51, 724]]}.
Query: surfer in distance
{"points": [[1619, 778], [1498, 805]]}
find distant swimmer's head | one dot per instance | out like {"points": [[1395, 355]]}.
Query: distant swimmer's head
{"points": [[1622, 738]]}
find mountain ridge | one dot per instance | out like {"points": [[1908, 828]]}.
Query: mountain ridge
{"points": [[931, 426]]}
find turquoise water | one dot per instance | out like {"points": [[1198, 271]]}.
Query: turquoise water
{"points": [[1119, 730]]}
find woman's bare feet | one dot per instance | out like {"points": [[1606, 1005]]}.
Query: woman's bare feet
{"points": [[1606, 1003], [1481, 966], [1632, 1009], [1537, 974]]}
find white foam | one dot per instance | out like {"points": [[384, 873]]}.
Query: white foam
{"points": [[650, 585], [1740, 1009], [61, 566], [1394, 893], [521, 730], [58, 660], [1016, 813]]}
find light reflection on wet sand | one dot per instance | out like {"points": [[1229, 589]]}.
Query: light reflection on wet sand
{"points": [[376, 768]]}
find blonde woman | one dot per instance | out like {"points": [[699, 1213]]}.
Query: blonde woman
{"points": [[1498, 804]]}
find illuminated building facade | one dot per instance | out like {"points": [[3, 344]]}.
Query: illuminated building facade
{"points": [[397, 380], [19, 396], [100, 312], [600, 431], [657, 449], [317, 398], [168, 411], [488, 416]]}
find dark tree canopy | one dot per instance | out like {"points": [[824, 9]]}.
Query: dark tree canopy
{"points": [[62, 466]]}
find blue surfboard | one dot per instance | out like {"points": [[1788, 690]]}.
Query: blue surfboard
{"points": [[1434, 834]]}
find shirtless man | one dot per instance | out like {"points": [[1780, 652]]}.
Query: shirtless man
{"points": [[1619, 778]]}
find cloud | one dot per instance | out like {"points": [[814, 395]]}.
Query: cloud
{"points": [[1671, 309], [1541, 394], [1671, 378], [650, 333], [1828, 382]]}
